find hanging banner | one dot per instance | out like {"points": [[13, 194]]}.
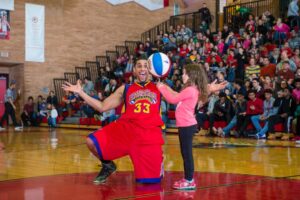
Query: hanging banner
{"points": [[149, 4], [4, 24], [7, 4], [34, 33]]}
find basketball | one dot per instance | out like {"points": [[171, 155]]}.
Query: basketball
{"points": [[159, 64]]}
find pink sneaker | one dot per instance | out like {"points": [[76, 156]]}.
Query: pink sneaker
{"points": [[184, 184]]}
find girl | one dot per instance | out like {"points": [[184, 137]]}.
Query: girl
{"points": [[195, 88]]}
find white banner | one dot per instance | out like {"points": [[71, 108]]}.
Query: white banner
{"points": [[7, 4], [149, 4], [34, 33]]}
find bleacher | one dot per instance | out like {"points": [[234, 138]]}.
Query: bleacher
{"points": [[92, 68]]}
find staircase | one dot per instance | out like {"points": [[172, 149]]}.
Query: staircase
{"points": [[92, 68]]}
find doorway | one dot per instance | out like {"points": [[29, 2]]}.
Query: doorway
{"points": [[3, 86]]}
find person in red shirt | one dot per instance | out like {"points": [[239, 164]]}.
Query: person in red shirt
{"points": [[28, 116], [268, 68], [285, 73], [254, 107], [231, 61], [213, 55], [183, 51], [137, 133]]}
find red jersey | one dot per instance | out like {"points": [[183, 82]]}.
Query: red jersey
{"points": [[142, 105]]}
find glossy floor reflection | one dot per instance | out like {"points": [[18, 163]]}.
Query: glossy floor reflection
{"points": [[41, 164]]}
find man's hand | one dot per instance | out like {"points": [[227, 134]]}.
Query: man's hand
{"points": [[72, 88]]}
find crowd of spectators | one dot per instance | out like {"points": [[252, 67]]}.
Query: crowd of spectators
{"points": [[259, 58]]}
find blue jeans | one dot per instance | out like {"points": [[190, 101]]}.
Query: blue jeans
{"points": [[52, 122], [255, 121], [231, 124]]}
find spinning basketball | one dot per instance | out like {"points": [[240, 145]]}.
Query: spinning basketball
{"points": [[160, 65]]}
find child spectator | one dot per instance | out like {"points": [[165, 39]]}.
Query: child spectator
{"points": [[52, 116]]}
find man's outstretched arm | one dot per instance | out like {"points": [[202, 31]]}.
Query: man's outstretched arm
{"points": [[113, 101]]}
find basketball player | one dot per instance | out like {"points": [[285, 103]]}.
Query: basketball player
{"points": [[136, 133]]}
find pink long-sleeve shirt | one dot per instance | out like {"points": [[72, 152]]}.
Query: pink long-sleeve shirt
{"points": [[283, 29], [186, 102]]}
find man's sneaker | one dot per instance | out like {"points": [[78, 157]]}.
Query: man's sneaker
{"points": [[19, 128], [105, 172], [1, 128], [184, 184]]}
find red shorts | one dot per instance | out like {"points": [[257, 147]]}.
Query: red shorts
{"points": [[121, 138]]}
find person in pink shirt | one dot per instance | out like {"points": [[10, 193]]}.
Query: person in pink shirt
{"points": [[281, 31], [196, 88], [296, 96]]}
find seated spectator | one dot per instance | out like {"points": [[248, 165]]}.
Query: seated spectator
{"points": [[231, 61], [221, 112], [275, 56], [268, 68], [285, 73], [148, 49], [252, 69], [254, 107], [39, 102], [214, 97], [129, 65], [258, 88], [294, 42], [247, 41], [239, 87], [221, 78], [200, 111], [88, 85], [240, 107], [250, 21], [222, 68], [261, 28], [287, 105], [110, 88], [140, 50], [215, 56], [285, 58], [296, 96], [108, 117], [29, 116], [42, 109], [267, 83], [288, 49], [87, 110], [269, 110], [178, 85], [52, 99], [69, 100], [281, 31], [296, 57]]}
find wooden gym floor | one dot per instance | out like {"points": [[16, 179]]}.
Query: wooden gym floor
{"points": [[41, 164]]}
